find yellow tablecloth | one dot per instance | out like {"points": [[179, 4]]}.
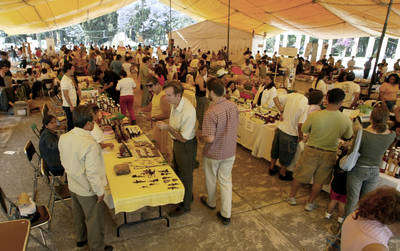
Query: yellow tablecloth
{"points": [[191, 96], [128, 196]]}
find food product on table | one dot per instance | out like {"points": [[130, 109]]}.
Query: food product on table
{"points": [[124, 151], [122, 169]]}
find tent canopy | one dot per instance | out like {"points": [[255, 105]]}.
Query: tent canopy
{"points": [[318, 18], [35, 16], [208, 35]]}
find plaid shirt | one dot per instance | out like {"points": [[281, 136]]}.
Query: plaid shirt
{"points": [[221, 121]]}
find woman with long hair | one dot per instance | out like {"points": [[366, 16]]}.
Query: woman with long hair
{"points": [[48, 145], [388, 90], [375, 140]]}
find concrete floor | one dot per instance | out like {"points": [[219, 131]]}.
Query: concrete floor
{"points": [[261, 219]]}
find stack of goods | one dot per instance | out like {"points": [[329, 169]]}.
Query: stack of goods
{"points": [[390, 162], [268, 116], [145, 149]]}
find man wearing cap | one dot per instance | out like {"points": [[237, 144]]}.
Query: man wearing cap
{"points": [[223, 75], [181, 127]]}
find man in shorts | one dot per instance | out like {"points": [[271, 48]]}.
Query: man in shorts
{"points": [[316, 163], [293, 108]]}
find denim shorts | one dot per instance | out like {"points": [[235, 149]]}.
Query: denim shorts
{"points": [[284, 147]]}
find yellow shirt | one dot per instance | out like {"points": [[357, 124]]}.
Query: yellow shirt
{"points": [[156, 104]]}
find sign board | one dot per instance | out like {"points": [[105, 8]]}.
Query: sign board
{"points": [[50, 46], [288, 51], [260, 45]]}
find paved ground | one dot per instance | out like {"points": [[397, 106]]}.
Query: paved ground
{"points": [[261, 220]]}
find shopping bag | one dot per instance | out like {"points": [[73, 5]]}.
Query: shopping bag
{"points": [[349, 161]]}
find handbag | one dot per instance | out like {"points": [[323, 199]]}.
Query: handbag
{"points": [[349, 161]]}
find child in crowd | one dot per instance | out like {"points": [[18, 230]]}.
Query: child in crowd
{"points": [[338, 191]]}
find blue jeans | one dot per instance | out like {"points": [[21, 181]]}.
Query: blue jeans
{"points": [[360, 180]]}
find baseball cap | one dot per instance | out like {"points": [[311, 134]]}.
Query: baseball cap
{"points": [[221, 72]]}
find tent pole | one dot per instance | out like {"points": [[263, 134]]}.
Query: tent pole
{"points": [[229, 30], [373, 78], [170, 18]]}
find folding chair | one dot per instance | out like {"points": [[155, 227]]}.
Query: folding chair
{"points": [[30, 153], [12, 213], [35, 130], [58, 189]]}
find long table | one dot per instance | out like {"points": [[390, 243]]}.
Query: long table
{"points": [[151, 182]]}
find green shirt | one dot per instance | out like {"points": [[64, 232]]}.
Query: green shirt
{"points": [[325, 128]]}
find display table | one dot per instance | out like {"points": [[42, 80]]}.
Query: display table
{"points": [[191, 96], [151, 181], [14, 234], [255, 135], [386, 180]]}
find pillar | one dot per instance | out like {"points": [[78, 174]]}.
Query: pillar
{"points": [[355, 47], [298, 42], [320, 43], [285, 40], [276, 45]]}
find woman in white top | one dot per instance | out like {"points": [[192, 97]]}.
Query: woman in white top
{"points": [[371, 226], [320, 84], [126, 86], [266, 94]]}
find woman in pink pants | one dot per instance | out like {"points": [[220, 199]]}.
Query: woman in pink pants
{"points": [[126, 86]]}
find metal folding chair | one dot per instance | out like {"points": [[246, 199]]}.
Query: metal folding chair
{"points": [[12, 213], [58, 189], [35, 130], [30, 153]]}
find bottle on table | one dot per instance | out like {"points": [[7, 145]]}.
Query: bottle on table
{"points": [[393, 162], [384, 162]]}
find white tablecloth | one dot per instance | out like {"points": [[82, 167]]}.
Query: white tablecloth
{"points": [[256, 137], [386, 180]]}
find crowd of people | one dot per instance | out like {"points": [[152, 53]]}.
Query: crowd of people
{"points": [[313, 119]]}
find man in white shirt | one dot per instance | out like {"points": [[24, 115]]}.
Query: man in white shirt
{"points": [[351, 89], [68, 93], [83, 162], [182, 124], [293, 108]]}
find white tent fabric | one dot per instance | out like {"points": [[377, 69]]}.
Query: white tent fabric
{"points": [[208, 35]]}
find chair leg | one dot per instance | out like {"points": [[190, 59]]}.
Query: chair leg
{"points": [[44, 240], [35, 181], [38, 241]]}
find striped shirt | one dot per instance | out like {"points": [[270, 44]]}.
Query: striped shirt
{"points": [[221, 121]]}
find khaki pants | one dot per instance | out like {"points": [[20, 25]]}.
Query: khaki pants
{"points": [[89, 220], [146, 96], [221, 169]]}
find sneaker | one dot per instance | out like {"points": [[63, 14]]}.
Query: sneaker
{"points": [[291, 201], [327, 215], [203, 200], [224, 220], [340, 220], [179, 211], [108, 248], [80, 244], [287, 177], [273, 171], [309, 207]]}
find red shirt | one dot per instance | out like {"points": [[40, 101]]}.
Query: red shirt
{"points": [[221, 121]]}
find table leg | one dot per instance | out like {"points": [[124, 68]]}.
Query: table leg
{"points": [[126, 223]]}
